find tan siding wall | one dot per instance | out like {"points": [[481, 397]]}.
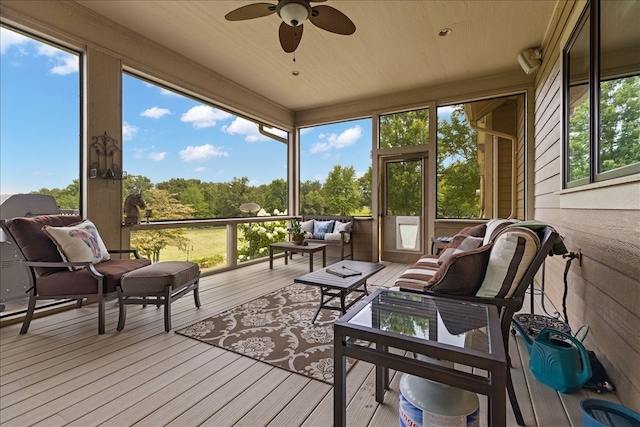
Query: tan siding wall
{"points": [[602, 222]]}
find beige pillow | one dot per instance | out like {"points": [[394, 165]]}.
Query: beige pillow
{"points": [[79, 242], [513, 251]]}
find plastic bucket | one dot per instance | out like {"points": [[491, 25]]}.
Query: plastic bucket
{"points": [[602, 413]]}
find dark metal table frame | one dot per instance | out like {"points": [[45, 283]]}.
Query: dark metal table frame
{"points": [[332, 286], [493, 384], [291, 248]]}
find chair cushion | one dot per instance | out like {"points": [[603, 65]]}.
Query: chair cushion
{"points": [[459, 243], [417, 276], [156, 277], [80, 282], [462, 273], [78, 243], [35, 244], [494, 227], [513, 251]]}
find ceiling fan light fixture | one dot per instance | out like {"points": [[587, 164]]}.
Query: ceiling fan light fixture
{"points": [[294, 13]]}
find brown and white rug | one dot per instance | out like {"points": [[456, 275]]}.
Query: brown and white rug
{"points": [[277, 329]]}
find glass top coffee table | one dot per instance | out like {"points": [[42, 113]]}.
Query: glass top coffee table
{"points": [[338, 281], [467, 334]]}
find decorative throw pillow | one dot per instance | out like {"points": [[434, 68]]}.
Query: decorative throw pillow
{"points": [[459, 243], [78, 243], [340, 226], [475, 231], [461, 273], [513, 251], [320, 228], [307, 226]]}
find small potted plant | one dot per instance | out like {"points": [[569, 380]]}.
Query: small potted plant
{"points": [[296, 233]]}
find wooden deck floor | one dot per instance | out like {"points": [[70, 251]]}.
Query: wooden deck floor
{"points": [[63, 373]]}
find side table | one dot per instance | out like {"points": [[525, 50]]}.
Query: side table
{"points": [[441, 328], [290, 248]]}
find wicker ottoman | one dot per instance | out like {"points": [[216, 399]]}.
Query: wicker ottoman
{"points": [[158, 284]]}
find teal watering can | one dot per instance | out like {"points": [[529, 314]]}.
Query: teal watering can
{"points": [[557, 359]]}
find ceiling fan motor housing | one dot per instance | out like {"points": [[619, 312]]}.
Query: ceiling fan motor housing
{"points": [[293, 12]]}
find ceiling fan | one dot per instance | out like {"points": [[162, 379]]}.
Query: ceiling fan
{"points": [[293, 14]]}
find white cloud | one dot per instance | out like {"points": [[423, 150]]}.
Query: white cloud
{"points": [[63, 62], [9, 38], [345, 139], [203, 116], [138, 153], [128, 131], [158, 156], [201, 169], [201, 152], [155, 112], [248, 128]]}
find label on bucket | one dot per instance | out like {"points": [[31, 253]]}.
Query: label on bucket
{"points": [[412, 416]]}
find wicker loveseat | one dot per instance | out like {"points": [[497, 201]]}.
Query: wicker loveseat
{"points": [[331, 230], [50, 277]]}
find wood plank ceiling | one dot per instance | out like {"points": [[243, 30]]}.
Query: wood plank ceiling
{"points": [[396, 46]]}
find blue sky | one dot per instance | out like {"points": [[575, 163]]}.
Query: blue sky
{"points": [[165, 135]]}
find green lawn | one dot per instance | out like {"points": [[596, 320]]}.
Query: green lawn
{"points": [[205, 242]]}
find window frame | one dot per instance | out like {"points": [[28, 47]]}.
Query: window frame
{"points": [[591, 12], [81, 56]]}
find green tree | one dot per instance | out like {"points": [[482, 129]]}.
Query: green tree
{"points": [[620, 123], [364, 182], [150, 242], [192, 196], [136, 183], [230, 195], [66, 198], [404, 129], [458, 170], [275, 196], [341, 191]]}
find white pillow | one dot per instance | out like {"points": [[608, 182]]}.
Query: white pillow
{"points": [[343, 226], [79, 242], [307, 226]]}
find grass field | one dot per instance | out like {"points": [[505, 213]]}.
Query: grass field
{"points": [[205, 242]]}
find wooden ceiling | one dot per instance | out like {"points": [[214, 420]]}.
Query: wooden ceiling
{"points": [[396, 46]]}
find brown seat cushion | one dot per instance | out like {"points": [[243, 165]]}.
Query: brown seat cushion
{"points": [[35, 244], [156, 277], [80, 282]]}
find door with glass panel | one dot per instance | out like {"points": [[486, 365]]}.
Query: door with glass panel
{"points": [[402, 208]]}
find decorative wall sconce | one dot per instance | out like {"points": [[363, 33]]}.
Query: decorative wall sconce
{"points": [[105, 147]]}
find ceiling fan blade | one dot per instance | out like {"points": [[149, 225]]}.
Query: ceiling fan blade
{"points": [[290, 37], [332, 20], [251, 11]]}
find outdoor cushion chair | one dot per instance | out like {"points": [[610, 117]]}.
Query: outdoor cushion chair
{"points": [[66, 259], [497, 273]]}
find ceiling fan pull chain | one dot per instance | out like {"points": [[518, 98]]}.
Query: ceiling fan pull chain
{"points": [[294, 56]]}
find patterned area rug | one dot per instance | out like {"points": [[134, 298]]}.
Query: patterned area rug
{"points": [[277, 329]]}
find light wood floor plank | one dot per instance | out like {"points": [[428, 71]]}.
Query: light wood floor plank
{"points": [[242, 403]]}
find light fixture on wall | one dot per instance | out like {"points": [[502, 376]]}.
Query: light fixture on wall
{"points": [[529, 59], [104, 166]]}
